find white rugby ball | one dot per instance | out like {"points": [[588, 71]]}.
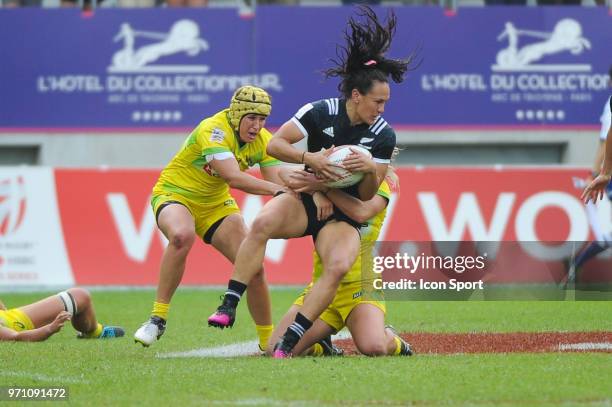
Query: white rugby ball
{"points": [[347, 178]]}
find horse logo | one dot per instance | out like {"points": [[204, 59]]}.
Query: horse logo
{"points": [[566, 36], [184, 36]]}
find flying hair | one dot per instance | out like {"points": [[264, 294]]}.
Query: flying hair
{"points": [[362, 60]]}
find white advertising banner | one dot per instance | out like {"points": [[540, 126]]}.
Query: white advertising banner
{"points": [[32, 249]]}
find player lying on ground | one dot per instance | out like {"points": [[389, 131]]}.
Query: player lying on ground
{"points": [[352, 120], [357, 305], [38, 321], [192, 199]]}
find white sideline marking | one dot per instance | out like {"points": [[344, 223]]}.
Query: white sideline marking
{"points": [[233, 350], [586, 346], [44, 378]]}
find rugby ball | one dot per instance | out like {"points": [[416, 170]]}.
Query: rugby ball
{"points": [[347, 178]]}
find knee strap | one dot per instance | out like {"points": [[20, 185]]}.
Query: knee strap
{"points": [[69, 303]]}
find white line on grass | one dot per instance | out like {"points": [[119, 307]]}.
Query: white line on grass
{"points": [[586, 346], [44, 378], [233, 350]]}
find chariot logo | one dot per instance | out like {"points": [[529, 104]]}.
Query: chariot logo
{"points": [[183, 37], [12, 205], [566, 37]]}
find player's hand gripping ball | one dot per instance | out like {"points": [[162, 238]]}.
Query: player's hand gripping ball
{"points": [[347, 178]]}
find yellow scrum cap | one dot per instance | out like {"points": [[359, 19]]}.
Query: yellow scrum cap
{"points": [[248, 100]]}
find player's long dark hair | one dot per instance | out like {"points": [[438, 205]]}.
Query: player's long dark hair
{"points": [[362, 60]]}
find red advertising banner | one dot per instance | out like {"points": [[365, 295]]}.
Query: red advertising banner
{"points": [[111, 237]]}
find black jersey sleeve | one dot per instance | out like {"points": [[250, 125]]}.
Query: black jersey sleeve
{"points": [[309, 116], [383, 146]]}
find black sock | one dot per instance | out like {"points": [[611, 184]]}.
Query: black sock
{"points": [[296, 330], [234, 292]]}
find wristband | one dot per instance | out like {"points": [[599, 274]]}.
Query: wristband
{"points": [[303, 154]]}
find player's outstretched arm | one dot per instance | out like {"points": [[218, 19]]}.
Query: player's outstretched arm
{"points": [[273, 174], [38, 334], [229, 170]]}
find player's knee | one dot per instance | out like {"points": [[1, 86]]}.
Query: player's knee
{"points": [[262, 227], [182, 239], [372, 347], [259, 278], [337, 268], [81, 297]]}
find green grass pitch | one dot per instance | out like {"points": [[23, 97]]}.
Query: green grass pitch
{"points": [[120, 372]]}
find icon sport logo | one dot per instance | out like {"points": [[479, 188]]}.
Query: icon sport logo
{"points": [[183, 37], [565, 37], [12, 205]]}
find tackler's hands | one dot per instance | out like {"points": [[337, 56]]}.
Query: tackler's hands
{"points": [[359, 162], [287, 190], [304, 181]]}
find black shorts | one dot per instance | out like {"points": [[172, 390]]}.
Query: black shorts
{"points": [[315, 225]]}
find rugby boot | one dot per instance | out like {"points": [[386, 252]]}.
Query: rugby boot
{"points": [[284, 348], [329, 349], [107, 332], [223, 317], [406, 349], [150, 331]]}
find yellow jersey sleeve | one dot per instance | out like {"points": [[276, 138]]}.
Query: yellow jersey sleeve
{"points": [[215, 136]]}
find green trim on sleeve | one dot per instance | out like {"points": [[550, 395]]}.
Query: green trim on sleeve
{"points": [[384, 194], [270, 163], [215, 150]]}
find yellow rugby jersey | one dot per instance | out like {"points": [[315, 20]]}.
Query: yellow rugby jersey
{"points": [[369, 236], [189, 172]]}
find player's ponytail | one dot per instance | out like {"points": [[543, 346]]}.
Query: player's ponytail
{"points": [[362, 60]]}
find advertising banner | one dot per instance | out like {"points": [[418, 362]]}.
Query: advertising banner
{"points": [[111, 236], [96, 227], [169, 68], [32, 250]]}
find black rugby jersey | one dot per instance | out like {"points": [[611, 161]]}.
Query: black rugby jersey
{"points": [[325, 123]]}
